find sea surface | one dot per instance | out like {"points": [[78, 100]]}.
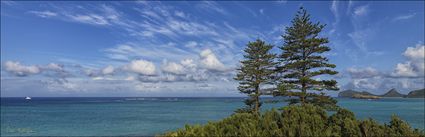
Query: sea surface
{"points": [[152, 116]]}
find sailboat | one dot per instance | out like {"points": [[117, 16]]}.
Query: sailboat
{"points": [[27, 98]]}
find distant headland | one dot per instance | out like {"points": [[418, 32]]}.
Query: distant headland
{"points": [[420, 93]]}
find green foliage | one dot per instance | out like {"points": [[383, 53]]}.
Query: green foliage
{"points": [[301, 60], [398, 127], [323, 101], [371, 128], [344, 123], [303, 121], [299, 120], [256, 69]]}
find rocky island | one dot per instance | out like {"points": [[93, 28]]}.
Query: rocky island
{"points": [[357, 94], [391, 93], [361, 96], [416, 94]]}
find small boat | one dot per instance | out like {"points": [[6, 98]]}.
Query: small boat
{"points": [[27, 98]]}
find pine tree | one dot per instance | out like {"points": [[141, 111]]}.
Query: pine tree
{"points": [[302, 60], [256, 70]]}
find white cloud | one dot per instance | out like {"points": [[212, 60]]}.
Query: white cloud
{"points": [[350, 4], [334, 8], [380, 85], [406, 76], [93, 19], [122, 49], [191, 44], [169, 22], [358, 73], [404, 69], [142, 67], [158, 23], [108, 70], [361, 10], [188, 63], [180, 14], [189, 28], [107, 16], [414, 66], [415, 53], [44, 14], [363, 35], [365, 84], [152, 52], [19, 69], [212, 6], [54, 67], [335, 12], [172, 67], [210, 61], [404, 17]]}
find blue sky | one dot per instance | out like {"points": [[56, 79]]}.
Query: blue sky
{"points": [[170, 48]]}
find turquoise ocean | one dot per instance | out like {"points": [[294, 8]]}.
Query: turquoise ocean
{"points": [[140, 116]]}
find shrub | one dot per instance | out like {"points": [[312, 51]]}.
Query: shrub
{"points": [[299, 120], [307, 120], [371, 128], [343, 123], [398, 127]]}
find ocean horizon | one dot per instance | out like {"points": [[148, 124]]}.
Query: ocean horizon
{"points": [[140, 116]]}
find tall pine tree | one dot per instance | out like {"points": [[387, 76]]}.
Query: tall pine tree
{"points": [[256, 70], [302, 61]]}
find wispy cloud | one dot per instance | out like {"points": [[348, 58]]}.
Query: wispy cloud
{"points": [[360, 37], [180, 14], [335, 12], [361, 10], [334, 8], [90, 19], [212, 6], [404, 17], [364, 31], [44, 14]]}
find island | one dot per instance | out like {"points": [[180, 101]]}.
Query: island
{"points": [[391, 93], [416, 94], [361, 96], [357, 94]]}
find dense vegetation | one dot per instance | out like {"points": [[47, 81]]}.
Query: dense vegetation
{"points": [[295, 73], [299, 120]]}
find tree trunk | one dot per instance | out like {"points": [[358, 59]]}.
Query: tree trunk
{"points": [[303, 83], [303, 93], [257, 99]]}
